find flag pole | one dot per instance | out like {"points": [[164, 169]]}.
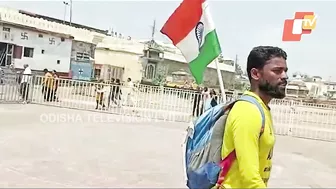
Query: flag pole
{"points": [[220, 79]]}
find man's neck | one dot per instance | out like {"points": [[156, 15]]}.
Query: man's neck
{"points": [[265, 98]]}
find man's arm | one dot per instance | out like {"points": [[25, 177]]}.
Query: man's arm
{"points": [[246, 131]]}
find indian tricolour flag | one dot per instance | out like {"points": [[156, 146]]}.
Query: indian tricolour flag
{"points": [[192, 30]]}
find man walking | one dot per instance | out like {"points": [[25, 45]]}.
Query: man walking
{"points": [[197, 101], [267, 72], [111, 96], [25, 81], [129, 93], [48, 85], [115, 92], [56, 83]]}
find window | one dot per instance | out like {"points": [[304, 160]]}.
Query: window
{"points": [[82, 56], [28, 52], [42, 51], [40, 35], [150, 71], [62, 39], [17, 52], [6, 29], [58, 61], [97, 73], [79, 56], [10, 49], [115, 72]]}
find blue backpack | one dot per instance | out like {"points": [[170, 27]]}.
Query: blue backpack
{"points": [[203, 163]]}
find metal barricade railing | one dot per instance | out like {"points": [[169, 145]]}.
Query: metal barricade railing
{"points": [[14, 88], [300, 119], [306, 120], [140, 100], [297, 119]]}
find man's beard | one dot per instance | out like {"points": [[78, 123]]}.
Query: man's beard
{"points": [[274, 91]]}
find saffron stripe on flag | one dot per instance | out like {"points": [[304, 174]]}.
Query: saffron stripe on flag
{"points": [[183, 20]]}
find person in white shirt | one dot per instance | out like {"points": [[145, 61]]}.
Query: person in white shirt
{"points": [[25, 81], [128, 92], [205, 99]]}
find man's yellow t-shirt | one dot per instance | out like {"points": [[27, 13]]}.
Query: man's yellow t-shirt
{"points": [[252, 167]]}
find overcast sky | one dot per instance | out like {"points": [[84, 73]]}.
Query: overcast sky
{"points": [[241, 25]]}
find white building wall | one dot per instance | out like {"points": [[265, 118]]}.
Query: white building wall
{"points": [[317, 88], [13, 15], [56, 53], [128, 61], [135, 50], [323, 89]]}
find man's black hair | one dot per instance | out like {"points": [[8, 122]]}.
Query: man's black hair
{"points": [[260, 55]]}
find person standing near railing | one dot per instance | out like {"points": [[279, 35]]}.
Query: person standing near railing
{"points": [[117, 93], [111, 93], [205, 98], [25, 83], [214, 98], [100, 94], [48, 85], [129, 95], [197, 101], [56, 79]]}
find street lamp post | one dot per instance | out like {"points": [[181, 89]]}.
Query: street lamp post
{"points": [[65, 10], [70, 12]]}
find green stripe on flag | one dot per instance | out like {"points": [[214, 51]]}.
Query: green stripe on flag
{"points": [[209, 51]]}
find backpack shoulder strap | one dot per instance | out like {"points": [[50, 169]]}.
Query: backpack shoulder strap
{"points": [[226, 163], [254, 101]]}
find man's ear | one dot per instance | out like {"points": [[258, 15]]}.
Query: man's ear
{"points": [[255, 74]]}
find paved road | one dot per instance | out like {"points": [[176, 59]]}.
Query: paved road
{"points": [[55, 147]]}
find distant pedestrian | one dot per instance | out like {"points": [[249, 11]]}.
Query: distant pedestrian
{"points": [[48, 86], [205, 98], [128, 92], [111, 93], [100, 94], [25, 83], [56, 79], [197, 100], [116, 93]]}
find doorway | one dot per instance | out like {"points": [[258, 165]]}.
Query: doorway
{"points": [[3, 52], [6, 54]]}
